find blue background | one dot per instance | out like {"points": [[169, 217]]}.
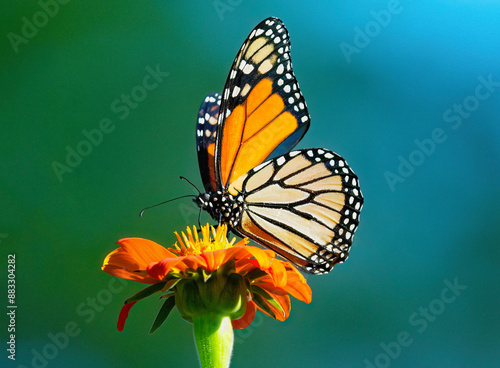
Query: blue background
{"points": [[422, 228]]}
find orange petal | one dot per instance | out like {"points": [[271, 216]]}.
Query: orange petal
{"points": [[263, 258], [247, 318], [291, 269], [283, 300], [125, 274], [158, 270], [144, 251], [298, 287], [192, 262], [278, 273], [219, 257], [244, 266], [267, 283], [123, 315], [134, 255], [216, 258]]}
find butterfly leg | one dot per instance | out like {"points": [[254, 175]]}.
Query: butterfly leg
{"points": [[199, 221]]}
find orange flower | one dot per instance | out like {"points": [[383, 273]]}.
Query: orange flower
{"points": [[209, 274]]}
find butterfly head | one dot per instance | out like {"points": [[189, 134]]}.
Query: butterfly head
{"points": [[202, 200]]}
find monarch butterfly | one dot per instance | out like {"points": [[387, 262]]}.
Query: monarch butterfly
{"points": [[303, 204]]}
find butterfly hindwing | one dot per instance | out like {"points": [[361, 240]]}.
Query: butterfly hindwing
{"points": [[206, 132], [263, 113], [305, 205]]}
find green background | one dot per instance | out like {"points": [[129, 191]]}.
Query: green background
{"points": [[438, 222]]}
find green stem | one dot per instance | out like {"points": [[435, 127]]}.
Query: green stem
{"points": [[214, 340]]}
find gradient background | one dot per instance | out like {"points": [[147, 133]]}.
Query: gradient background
{"points": [[439, 224]]}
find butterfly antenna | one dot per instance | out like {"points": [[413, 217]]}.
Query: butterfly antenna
{"points": [[199, 213], [194, 186], [170, 200]]}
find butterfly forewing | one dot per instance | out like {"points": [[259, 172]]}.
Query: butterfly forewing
{"points": [[305, 205], [263, 113], [205, 138]]}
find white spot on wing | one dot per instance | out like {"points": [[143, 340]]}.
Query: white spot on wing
{"points": [[257, 168], [236, 91], [248, 69]]}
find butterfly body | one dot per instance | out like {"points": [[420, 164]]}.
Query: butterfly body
{"points": [[304, 204], [222, 206]]}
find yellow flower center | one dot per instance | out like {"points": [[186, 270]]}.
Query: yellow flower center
{"points": [[191, 244]]}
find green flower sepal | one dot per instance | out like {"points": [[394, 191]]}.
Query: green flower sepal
{"points": [[220, 293]]}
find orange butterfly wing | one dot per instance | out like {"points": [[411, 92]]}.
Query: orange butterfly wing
{"points": [[263, 113]]}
